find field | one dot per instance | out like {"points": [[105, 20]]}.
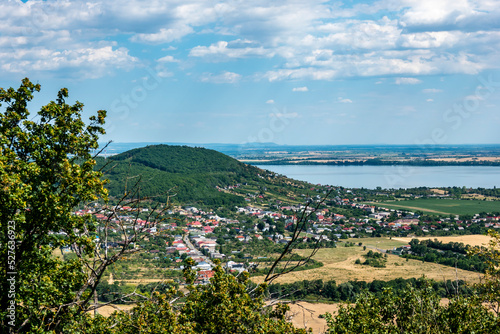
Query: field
{"points": [[304, 314], [339, 265], [109, 309], [473, 240], [444, 206]]}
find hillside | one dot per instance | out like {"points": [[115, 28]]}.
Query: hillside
{"points": [[193, 173]]}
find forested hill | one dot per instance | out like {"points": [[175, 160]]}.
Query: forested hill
{"points": [[194, 173]]}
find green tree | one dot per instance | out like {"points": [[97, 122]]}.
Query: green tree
{"points": [[223, 306], [490, 288], [261, 225], [412, 311], [46, 169]]}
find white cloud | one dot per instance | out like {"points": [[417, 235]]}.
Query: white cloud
{"points": [[300, 89], [313, 40], [431, 39], [270, 101], [342, 100], [407, 81], [432, 90], [78, 63], [234, 49], [164, 35], [224, 77], [450, 14], [168, 59], [430, 100]]}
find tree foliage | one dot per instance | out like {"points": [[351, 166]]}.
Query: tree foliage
{"points": [[46, 169], [419, 310], [490, 287], [223, 306], [412, 311], [193, 172]]}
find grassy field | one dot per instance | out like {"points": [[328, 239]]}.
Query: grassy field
{"points": [[444, 206], [473, 240], [339, 266], [381, 243]]}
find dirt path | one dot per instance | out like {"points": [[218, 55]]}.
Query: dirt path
{"points": [[110, 280]]}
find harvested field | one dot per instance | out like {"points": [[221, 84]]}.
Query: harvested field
{"points": [[108, 309], [306, 315], [339, 266], [141, 280], [473, 240]]}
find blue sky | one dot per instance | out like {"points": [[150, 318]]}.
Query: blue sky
{"points": [[289, 72]]}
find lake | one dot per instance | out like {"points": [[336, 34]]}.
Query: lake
{"points": [[392, 176]]}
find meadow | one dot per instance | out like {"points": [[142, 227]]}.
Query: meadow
{"points": [[443, 206], [339, 265], [473, 240]]}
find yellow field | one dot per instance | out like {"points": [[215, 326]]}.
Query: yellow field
{"points": [[306, 315], [339, 266], [108, 309], [303, 314], [473, 240]]}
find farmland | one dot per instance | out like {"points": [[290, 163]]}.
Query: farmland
{"points": [[338, 265], [443, 206], [473, 240]]}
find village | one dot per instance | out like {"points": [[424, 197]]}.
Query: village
{"points": [[198, 233]]}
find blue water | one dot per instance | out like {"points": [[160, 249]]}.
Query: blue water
{"points": [[392, 176]]}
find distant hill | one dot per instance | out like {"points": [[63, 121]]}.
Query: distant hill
{"points": [[194, 173]]}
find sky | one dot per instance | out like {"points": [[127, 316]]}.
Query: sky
{"points": [[421, 72]]}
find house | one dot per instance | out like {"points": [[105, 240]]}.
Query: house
{"points": [[216, 255], [231, 265], [205, 275], [203, 266]]}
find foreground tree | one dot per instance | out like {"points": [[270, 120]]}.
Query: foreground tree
{"points": [[46, 170], [490, 286], [413, 311], [223, 306], [420, 311]]}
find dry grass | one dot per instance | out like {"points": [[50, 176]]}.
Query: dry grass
{"points": [[57, 253], [338, 265], [473, 240], [382, 243], [306, 315], [142, 280], [108, 309], [478, 197], [438, 191]]}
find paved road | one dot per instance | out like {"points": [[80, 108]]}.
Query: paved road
{"points": [[198, 253]]}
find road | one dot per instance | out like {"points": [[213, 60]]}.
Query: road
{"points": [[189, 245]]}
